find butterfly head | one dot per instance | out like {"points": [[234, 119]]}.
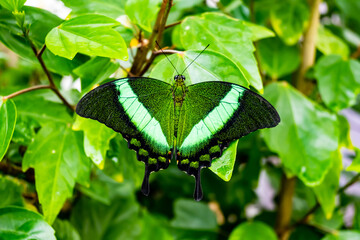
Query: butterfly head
{"points": [[179, 78]]}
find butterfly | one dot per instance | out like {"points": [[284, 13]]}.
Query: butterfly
{"points": [[191, 124]]}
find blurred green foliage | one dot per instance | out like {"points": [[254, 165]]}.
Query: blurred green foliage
{"points": [[68, 178]]}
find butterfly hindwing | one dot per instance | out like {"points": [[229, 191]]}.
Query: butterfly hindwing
{"points": [[142, 110], [214, 114]]}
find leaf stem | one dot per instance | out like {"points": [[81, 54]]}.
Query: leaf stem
{"points": [[37, 87]]}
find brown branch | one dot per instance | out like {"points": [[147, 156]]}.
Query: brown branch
{"points": [[27, 90], [141, 63], [306, 217], [285, 207], [356, 54], [47, 73], [308, 50]]}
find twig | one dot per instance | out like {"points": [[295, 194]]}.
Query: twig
{"points": [[40, 53], [173, 24], [27, 90], [51, 81], [141, 63]]}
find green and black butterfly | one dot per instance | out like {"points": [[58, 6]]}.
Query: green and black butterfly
{"points": [[191, 124]]}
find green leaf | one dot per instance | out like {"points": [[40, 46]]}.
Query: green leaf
{"points": [[224, 166], [154, 229], [328, 43], [98, 190], [97, 221], [311, 134], [252, 231], [97, 137], [184, 210], [343, 235], [326, 192], [289, 19], [210, 66], [109, 8], [350, 8], [7, 124], [18, 223], [258, 32], [65, 231], [41, 110], [13, 5], [339, 81], [40, 22], [276, 58], [142, 12], [344, 129], [88, 34], [226, 35], [122, 164], [58, 157], [10, 192], [355, 165], [320, 220], [95, 71]]}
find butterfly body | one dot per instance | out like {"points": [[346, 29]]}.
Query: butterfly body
{"points": [[192, 124]]}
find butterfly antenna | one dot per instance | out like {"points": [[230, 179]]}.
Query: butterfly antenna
{"points": [[195, 58], [167, 57]]}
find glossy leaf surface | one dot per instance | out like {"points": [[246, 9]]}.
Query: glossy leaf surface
{"points": [[88, 34], [310, 132], [56, 178], [339, 81], [21, 224], [7, 124]]}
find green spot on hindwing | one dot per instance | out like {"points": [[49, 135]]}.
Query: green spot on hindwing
{"points": [[194, 164], [135, 142], [185, 161], [205, 157], [215, 149], [143, 152], [162, 159], [152, 161]]}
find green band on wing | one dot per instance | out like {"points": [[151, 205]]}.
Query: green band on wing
{"points": [[140, 117], [214, 121]]}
